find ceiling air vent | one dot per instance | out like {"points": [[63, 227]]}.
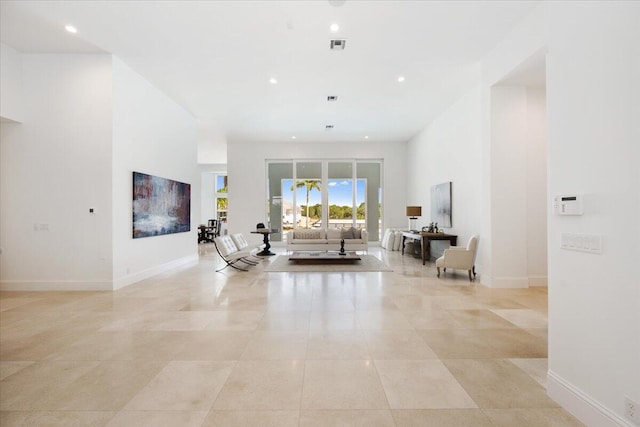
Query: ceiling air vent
{"points": [[337, 44], [328, 127], [331, 98]]}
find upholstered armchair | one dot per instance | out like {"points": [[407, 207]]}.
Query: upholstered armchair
{"points": [[460, 258]]}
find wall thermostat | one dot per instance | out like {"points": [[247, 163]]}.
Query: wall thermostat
{"points": [[567, 205]]}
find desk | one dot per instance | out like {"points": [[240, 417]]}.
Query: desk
{"points": [[426, 238], [265, 240]]}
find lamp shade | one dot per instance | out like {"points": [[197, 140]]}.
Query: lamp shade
{"points": [[414, 210]]}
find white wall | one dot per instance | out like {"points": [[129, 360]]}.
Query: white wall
{"points": [[536, 186], [11, 100], [508, 186], [592, 102], [449, 149], [89, 122], [594, 300], [207, 197], [55, 166], [592, 109], [247, 187], [154, 135], [518, 187]]}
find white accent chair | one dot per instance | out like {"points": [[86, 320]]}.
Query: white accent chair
{"points": [[242, 244], [230, 253], [460, 258]]}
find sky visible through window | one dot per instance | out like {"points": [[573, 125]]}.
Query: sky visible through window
{"points": [[340, 193], [219, 182]]}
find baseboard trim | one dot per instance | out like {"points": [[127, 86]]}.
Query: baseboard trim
{"points": [[538, 281], [130, 279], [509, 282], [56, 285], [84, 285], [583, 407]]}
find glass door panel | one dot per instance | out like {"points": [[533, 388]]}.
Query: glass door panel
{"points": [[361, 203], [340, 194], [280, 198], [371, 174], [308, 194], [222, 200]]}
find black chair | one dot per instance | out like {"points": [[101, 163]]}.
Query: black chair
{"points": [[212, 226], [202, 234]]}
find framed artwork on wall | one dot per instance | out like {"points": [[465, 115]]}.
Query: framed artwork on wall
{"points": [[441, 204], [160, 206]]}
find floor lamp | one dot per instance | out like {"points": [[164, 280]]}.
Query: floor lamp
{"points": [[413, 212]]}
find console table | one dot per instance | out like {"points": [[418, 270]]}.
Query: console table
{"points": [[426, 238]]}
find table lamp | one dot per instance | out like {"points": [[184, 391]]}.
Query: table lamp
{"points": [[413, 212]]}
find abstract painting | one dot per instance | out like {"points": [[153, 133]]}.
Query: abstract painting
{"points": [[160, 206], [441, 204]]}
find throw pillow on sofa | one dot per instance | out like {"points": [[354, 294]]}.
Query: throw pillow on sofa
{"points": [[347, 233], [334, 233], [307, 234]]}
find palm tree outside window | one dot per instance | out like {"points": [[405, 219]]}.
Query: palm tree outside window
{"points": [[222, 201], [315, 211]]}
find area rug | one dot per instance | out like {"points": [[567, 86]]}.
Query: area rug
{"points": [[368, 263]]}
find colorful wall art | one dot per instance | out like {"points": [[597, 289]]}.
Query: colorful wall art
{"points": [[160, 206]]}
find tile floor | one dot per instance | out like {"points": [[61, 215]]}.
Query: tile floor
{"points": [[199, 348]]}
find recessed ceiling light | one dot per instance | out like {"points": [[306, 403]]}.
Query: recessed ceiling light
{"points": [[293, 137], [71, 29], [334, 27], [366, 137], [273, 81], [400, 79]]}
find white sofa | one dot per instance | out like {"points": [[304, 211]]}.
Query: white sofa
{"points": [[327, 240], [392, 239]]}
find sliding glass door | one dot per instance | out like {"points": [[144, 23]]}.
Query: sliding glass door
{"points": [[325, 194]]}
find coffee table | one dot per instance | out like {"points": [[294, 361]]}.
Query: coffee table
{"points": [[323, 258]]}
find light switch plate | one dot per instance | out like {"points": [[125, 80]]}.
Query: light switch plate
{"points": [[590, 243]]}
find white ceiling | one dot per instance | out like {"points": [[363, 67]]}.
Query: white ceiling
{"points": [[216, 57]]}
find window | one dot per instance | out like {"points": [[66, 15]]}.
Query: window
{"points": [[324, 194], [221, 195]]}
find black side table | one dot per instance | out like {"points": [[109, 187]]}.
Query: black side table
{"points": [[265, 232]]}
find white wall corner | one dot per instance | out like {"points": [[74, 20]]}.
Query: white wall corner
{"points": [[130, 279], [581, 405]]}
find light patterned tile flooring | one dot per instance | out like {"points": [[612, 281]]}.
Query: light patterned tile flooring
{"points": [[198, 348]]}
